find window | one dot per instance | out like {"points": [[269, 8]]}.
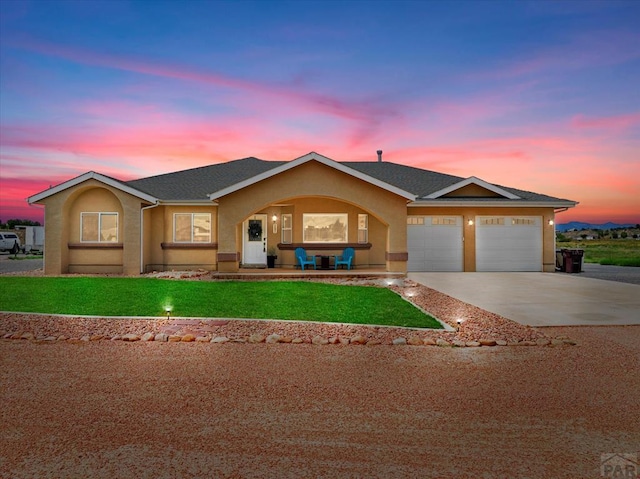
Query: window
{"points": [[99, 227], [415, 220], [192, 227], [324, 227], [363, 228], [523, 221], [495, 221], [443, 220], [287, 236]]}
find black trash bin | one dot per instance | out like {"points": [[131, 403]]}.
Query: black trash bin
{"points": [[572, 260]]}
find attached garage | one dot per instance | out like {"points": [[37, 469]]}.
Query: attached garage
{"points": [[509, 243], [434, 243]]}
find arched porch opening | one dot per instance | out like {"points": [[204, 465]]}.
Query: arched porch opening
{"points": [[314, 188], [322, 225]]}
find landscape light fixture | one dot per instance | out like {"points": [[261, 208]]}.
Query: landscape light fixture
{"points": [[458, 323], [168, 311]]}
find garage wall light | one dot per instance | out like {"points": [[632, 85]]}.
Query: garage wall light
{"points": [[470, 222], [550, 222]]}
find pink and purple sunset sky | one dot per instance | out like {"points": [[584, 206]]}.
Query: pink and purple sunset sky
{"points": [[542, 96]]}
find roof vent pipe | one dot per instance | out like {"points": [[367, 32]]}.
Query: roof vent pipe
{"points": [[379, 156]]}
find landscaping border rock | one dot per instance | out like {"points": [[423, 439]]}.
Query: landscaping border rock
{"points": [[470, 326]]}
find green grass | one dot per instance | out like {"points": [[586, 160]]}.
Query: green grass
{"points": [[620, 252], [288, 300]]}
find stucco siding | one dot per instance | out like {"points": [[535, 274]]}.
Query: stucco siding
{"points": [[67, 253], [162, 252]]}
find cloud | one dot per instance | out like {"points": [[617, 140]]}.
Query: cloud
{"points": [[15, 191], [582, 51], [366, 113], [617, 122]]}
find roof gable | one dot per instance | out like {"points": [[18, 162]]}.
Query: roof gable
{"points": [[472, 180], [107, 180], [424, 183], [312, 156]]}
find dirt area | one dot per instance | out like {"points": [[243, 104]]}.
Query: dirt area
{"points": [[108, 409]]}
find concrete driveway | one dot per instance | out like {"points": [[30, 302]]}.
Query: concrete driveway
{"points": [[542, 299]]}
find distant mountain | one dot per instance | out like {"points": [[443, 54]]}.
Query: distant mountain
{"points": [[589, 226]]}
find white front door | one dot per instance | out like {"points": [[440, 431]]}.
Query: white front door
{"points": [[254, 231]]}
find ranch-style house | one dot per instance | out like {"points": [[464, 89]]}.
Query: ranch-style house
{"points": [[229, 216]]}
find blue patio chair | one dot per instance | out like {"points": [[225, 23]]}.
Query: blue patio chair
{"points": [[346, 258], [302, 258]]}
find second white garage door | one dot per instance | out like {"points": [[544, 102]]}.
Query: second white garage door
{"points": [[434, 243], [508, 243]]}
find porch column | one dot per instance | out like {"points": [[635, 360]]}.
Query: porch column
{"points": [[131, 236], [396, 254], [228, 249]]}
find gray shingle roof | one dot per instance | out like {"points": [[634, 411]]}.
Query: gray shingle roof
{"points": [[414, 180], [196, 183]]}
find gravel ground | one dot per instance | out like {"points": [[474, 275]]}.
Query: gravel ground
{"points": [[141, 410], [622, 274], [105, 408]]}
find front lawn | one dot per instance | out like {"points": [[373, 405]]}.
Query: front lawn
{"points": [[288, 300]]}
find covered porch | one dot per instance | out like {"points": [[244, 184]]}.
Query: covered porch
{"points": [[315, 204]]}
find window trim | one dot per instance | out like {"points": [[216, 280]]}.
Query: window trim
{"points": [[100, 215], [286, 218], [344, 217], [363, 218], [192, 228]]}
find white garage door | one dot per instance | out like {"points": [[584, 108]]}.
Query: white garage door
{"points": [[508, 243], [434, 243]]}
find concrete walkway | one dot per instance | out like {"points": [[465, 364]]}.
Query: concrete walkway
{"points": [[542, 299]]}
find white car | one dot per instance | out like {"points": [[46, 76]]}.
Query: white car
{"points": [[10, 242]]}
